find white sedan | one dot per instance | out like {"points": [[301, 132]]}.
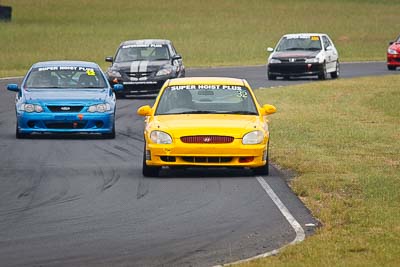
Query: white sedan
{"points": [[303, 54]]}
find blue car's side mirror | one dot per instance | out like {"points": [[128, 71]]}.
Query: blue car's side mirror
{"points": [[13, 87], [118, 87]]}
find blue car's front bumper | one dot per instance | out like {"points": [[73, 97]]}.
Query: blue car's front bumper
{"points": [[65, 122]]}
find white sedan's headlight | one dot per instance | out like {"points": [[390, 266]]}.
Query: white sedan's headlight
{"points": [[312, 60], [159, 137], [392, 51], [274, 60], [164, 71], [31, 108], [99, 108], [252, 138]]}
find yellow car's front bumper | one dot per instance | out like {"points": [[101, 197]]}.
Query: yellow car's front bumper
{"points": [[224, 155]]}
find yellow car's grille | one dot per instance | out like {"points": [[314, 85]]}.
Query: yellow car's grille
{"points": [[207, 159], [207, 139]]}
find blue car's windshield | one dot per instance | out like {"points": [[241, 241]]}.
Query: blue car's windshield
{"points": [[65, 77], [206, 99]]}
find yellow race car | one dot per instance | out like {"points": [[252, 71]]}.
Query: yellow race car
{"points": [[206, 122]]}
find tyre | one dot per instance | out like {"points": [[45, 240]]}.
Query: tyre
{"points": [[112, 134], [271, 77], [18, 134], [263, 170], [323, 74], [120, 95], [149, 171], [391, 67], [335, 74]]}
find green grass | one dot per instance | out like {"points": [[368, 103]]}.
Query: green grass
{"points": [[342, 138], [229, 32]]}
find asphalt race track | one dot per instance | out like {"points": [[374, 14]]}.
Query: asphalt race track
{"points": [[82, 201]]}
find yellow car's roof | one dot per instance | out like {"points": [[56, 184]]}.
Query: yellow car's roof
{"points": [[208, 80]]}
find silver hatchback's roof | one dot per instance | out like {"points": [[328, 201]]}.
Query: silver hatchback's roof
{"points": [[147, 42]]}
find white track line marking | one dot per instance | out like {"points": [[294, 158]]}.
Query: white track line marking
{"points": [[300, 235]]}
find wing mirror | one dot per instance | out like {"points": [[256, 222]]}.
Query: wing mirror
{"points": [[176, 57], [268, 109], [110, 59], [270, 49], [13, 87], [144, 110], [118, 87]]}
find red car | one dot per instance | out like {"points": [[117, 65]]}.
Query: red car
{"points": [[393, 55]]}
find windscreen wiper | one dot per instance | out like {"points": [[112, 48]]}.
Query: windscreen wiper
{"points": [[240, 112]]}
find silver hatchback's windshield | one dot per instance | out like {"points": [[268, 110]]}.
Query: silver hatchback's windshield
{"points": [[206, 99], [135, 52], [65, 77], [311, 43]]}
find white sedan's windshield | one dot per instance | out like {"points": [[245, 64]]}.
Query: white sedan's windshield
{"points": [[206, 99], [65, 77], [312, 43]]}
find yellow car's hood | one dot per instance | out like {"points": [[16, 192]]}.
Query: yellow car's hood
{"points": [[206, 124]]}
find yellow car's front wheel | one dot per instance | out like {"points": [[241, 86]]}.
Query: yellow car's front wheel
{"points": [[263, 170], [149, 171]]}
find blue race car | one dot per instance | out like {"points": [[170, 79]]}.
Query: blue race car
{"points": [[65, 97]]}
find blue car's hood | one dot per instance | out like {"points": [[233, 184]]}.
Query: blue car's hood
{"points": [[65, 95]]}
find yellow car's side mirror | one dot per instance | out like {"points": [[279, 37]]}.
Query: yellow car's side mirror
{"points": [[144, 110], [268, 109]]}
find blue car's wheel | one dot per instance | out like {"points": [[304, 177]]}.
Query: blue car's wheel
{"points": [[18, 134], [112, 134]]}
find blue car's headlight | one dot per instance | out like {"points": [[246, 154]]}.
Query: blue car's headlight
{"points": [[31, 108], [99, 108]]}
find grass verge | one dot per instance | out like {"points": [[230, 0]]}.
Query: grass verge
{"points": [[342, 137], [206, 33]]}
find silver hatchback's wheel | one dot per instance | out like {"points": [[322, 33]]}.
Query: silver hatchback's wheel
{"points": [[271, 77]]}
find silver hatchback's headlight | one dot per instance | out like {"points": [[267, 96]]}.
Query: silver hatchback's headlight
{"points": [[164, 71], [160, 137], [114, 73], [100, 108], [252, 138]]}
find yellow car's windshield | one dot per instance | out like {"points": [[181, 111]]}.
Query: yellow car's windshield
{"points": [[206, 99]]}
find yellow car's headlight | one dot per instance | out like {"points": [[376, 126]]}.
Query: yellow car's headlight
{"points": [[159, 137], [252, 138]]}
